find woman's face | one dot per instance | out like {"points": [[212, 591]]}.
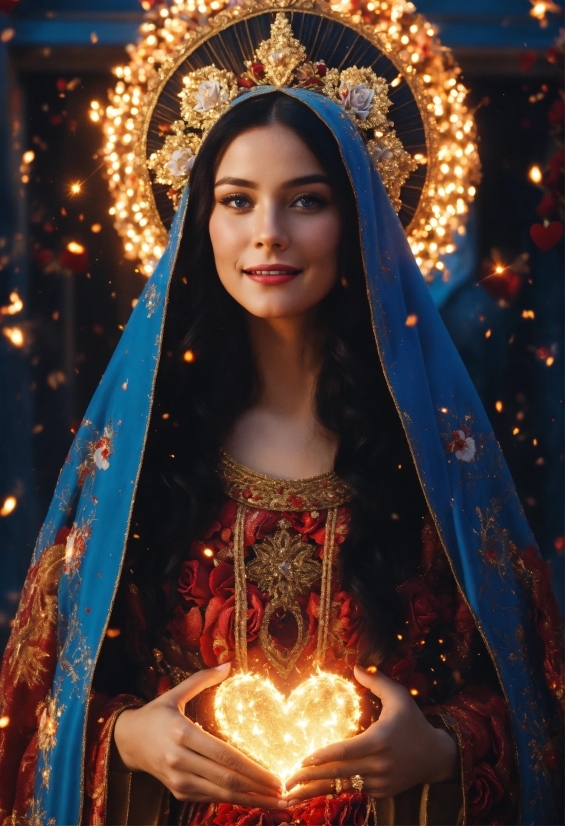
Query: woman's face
{"points": [[275, 226]]}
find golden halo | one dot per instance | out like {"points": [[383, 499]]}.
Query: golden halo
{"points": [[428, 109]]}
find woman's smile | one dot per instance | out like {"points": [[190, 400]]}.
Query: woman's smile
{"points": [[272, 274]]}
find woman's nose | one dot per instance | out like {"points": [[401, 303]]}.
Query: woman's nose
{"points": [[270, 231]]}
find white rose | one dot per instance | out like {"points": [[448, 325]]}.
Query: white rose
{"points": [[467, 454], [208, 94], [380, 153], [100, 459], [181, 162], [358, 98]]}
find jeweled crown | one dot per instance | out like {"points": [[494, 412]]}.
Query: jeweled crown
{"points": [[281, 61]]}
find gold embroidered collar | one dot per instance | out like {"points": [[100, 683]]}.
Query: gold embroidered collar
{"points": [[255, 490]]}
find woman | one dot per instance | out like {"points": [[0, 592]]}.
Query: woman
{"points": [[305, 499]]}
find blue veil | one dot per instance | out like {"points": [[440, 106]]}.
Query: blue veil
{"points": [[463, 474]]}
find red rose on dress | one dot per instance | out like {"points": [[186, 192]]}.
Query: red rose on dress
{"points": [[401, 666], [304, 523], [347, 623], [258, 524], [217, 642], [229, 815], [222, 580], [193, 582], [186, 627], [485, 792], [225, 519], [423, 609], [345, 810]]}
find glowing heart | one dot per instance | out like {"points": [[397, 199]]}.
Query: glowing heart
{"points": [[280, 733]]}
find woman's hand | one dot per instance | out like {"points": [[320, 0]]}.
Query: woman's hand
{"points": [[402, 749], [191, 763]]}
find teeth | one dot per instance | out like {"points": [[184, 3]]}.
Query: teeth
{"points": [[271, 272]]}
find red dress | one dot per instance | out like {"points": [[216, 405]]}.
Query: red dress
{"points": [[440, 657]]}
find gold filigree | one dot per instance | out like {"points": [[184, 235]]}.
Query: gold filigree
{"points": [[173, 162], [49, 713], [283, 568], [281, 61], [206, 96], [255, 490], [27, 661], [280, 55]]}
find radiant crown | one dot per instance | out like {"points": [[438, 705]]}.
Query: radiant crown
{"points": [[281, 61]]}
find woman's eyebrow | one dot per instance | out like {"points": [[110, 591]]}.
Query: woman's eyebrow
{"points": [[316, 178], [236, 182]]}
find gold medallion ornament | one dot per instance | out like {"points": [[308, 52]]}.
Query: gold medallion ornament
{"points": [[381, 61]]}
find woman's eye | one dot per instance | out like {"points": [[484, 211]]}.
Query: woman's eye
{"points": [[310, 202], [236, 201]]}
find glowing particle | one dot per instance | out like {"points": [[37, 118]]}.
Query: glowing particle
{"points": [[515, 431], [15, 336], [75, 248], [9, 505], [411, 320], [549, 361], [499, 407], [414, 692], [16, 305], [28, 156], [4, 721], [112, 633], [488, 334], [371, 669], [76, 188], [535, 174], [96, 228], [528, 314], [208, 552], [188, 356]]}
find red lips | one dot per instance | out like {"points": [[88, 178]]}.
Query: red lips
{"points": [[272, 274]]}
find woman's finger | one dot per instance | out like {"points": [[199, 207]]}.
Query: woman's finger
{"points": [[196, 683], [196, 739], [203, 790], [362, 745], [187, 762]]}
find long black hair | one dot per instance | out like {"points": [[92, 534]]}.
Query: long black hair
{"points": [[198, 401]]}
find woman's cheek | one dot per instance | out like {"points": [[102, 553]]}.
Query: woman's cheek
{"points": [[320, 241], [228, 237]]}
